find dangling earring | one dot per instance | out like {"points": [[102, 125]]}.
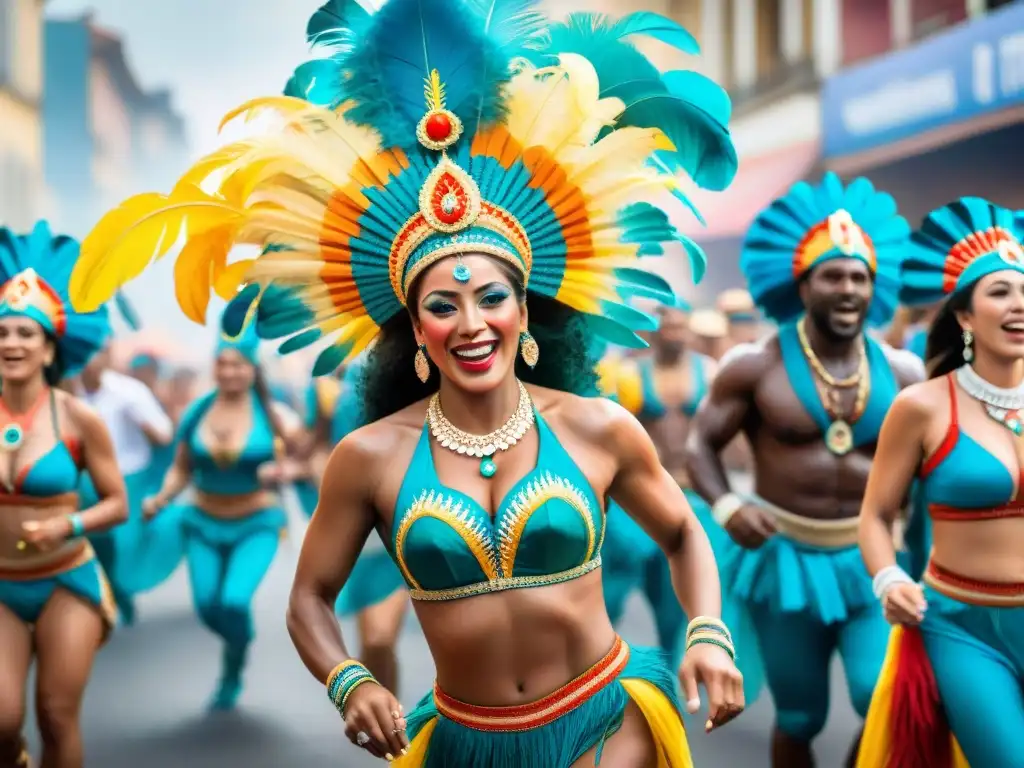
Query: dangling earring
{"points": [[421, 364], [968, 341], [528, 348]]}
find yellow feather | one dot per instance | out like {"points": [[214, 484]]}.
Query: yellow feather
{"points": [[194, 267], [141, 229], [256, 107], [433, 91]]}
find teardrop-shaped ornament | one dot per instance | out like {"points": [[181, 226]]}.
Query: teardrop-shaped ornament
{"points": [[449, 199]]}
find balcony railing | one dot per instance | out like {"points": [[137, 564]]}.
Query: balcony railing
{"points": [[783, 80]]}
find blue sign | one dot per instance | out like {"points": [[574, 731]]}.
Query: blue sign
{"points": [[971, 70]]}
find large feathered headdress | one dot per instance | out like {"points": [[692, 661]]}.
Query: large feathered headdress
{"points": [[34, 274], [434, 128], [957, 245], [813, 224]]}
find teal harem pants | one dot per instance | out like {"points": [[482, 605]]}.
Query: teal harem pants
{"points": [[227, 560]]}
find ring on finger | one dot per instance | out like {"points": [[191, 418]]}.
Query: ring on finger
{"points": [[362, 738]]}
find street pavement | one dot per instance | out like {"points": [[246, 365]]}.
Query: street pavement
{"points": [[145, 706]]}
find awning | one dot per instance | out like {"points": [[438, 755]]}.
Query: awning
{"points": [[759, 180]]}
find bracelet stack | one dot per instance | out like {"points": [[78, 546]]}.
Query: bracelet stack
{"points": [[887, 578], [710, 631], [344, 679], [77, 526]]}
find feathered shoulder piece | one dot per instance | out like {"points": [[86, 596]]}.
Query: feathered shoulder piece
{"points": [[957, 245], [814, 223], [435, 128], [34, 274]]}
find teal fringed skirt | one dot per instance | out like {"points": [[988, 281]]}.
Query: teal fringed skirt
{"points": [[577, 721]]}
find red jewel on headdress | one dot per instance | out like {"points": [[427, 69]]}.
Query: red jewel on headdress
{"points": [[439, 128]]}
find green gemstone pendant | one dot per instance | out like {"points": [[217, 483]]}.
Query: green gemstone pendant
{"points": [[488, 467]]}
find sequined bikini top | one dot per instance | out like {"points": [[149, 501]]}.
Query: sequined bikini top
{"points": [[548, 529]]}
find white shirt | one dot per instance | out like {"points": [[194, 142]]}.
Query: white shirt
{"points": [[126, 405]]}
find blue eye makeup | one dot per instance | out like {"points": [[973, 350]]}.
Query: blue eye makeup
{"points": [[494, 297], [439, 307]]}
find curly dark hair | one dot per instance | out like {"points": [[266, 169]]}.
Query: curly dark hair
{"points": [[388, 382], [944, 348]]}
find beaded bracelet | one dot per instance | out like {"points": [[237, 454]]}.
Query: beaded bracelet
{"points": [[77, 526], [711, 638], [344, 679], [708, 624]]}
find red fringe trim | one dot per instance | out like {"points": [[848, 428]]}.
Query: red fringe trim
{"points": [[920, 732]]}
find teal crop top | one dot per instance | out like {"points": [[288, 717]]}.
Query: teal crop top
{"points": [[238, 476], [548, 529], [653, 408], [964, 481], [54, 473]]}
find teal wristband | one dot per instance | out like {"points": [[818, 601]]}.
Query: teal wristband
{"points": [[723, 644], [344, 679], [77, 526]]}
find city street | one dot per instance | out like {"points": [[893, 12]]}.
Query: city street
{"points": [[145, 705]]}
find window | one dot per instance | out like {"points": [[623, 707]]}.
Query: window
{"points": [[769, 54], [6, 41]]}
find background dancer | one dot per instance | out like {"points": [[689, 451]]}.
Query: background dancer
{"points": [[137, 424], [232, 527], [451, 298], [960, 433], [810, 399], [662, 389], [55, 604]]}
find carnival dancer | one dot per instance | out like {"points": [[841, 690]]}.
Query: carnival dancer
{"points": [[663, 390], [822, 262], [428, 221], [233, 524], [54, 601], [955, 660], [137, 425]]}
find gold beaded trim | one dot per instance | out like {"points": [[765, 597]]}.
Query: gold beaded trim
{"points": [[505, 583]]}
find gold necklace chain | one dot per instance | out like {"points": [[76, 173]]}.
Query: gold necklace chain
{"points": [[481, 446], [821, 370]]}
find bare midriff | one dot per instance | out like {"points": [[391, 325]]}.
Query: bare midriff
{"points": [[985, 550], [515, 647], [234, 506], [15, 511]]}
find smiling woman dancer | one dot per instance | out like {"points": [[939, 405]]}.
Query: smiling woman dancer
{"points": [[54, 600], [226, 450], [955, 662], [483, 232]]}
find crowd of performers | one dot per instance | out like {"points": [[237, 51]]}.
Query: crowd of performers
{"points": [[465, 241]]}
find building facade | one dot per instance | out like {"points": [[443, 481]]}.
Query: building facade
{"points": [[105, 137], [22, 188]]}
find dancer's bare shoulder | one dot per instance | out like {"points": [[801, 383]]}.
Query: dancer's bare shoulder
{"points": [[374, 451]]}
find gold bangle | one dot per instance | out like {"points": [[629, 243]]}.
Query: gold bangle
{"points": [[702, 622]]}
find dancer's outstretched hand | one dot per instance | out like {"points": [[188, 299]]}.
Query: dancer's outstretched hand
{"points": [[710, 666], [374, 721]]}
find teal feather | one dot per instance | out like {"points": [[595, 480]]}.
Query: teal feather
{"points": [[613, 332], [127, 311], [687, 107], [640, 282], [331, 359], [236, 313], [660, 28], [318, 81], [336, 21], [405, 42]]}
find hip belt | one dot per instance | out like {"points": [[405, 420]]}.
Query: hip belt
{"points": [[73, 558], [1000, 594], [526, 717], [828, 534]]}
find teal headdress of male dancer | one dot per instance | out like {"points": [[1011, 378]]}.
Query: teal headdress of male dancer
{"points": [[35, 270]]}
